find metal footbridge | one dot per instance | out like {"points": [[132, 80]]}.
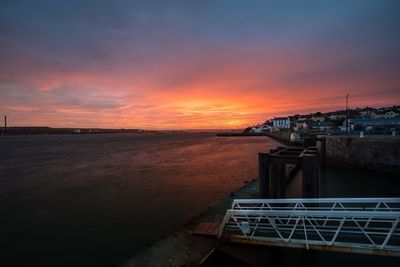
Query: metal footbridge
{"points": [[360, 225]]}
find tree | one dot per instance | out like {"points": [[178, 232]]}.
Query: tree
{"points": [[247, 130]]}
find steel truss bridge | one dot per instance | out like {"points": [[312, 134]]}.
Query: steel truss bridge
{"points": [[361, 225]]}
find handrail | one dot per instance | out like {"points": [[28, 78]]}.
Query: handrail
{"points": [[371, 224], [317, 213], [317, 200]]}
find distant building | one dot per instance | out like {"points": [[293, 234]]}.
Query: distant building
{"points": [[303, 124], [391, 113], [259, 129], [366, 112], [376, 114], [318, 117], [294, 118], [337, 116], [304, 117], [281, 123], [369, 124], [322, 126]]}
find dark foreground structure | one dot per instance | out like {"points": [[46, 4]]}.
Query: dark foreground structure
{"points": [[259, 226], [278, 167]]}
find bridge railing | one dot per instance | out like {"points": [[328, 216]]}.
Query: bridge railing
{"points": [[352, 223], [373, 204]]}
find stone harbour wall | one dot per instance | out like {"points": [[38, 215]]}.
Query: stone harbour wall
{"points": [[380, 154], [280, 136]]}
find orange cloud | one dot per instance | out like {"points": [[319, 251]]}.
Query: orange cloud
{"points": [[203, 91]]}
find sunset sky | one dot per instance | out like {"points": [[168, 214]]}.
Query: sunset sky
{"points": [[193, 64]]}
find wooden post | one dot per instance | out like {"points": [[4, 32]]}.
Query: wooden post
{"points": [[263, 174], [310, 176], [323, 152], [282, 180], [277, 178], [274, 179]]}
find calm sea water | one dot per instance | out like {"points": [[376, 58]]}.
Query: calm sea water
{"points": [[95, 200]]}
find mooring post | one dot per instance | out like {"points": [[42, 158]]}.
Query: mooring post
{"points": [[282, 180], [263, 174], [323, 151], [273, 179], [277, 178], [310, 177]]}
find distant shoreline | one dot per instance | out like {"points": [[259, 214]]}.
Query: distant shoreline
{"points": [[50, 131], [44, 130], [231, 134]]}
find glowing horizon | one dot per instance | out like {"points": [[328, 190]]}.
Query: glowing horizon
{"points": [[197, 65]]}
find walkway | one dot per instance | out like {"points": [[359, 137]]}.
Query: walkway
{"points": [[361, 225]]}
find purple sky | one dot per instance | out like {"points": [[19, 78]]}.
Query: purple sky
{"points": [[193, 64]]}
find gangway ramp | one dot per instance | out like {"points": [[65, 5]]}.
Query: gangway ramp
{"points": [[360, 225]]}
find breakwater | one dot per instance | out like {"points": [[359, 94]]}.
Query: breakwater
{"points": [[375, 153], [280, 136]]}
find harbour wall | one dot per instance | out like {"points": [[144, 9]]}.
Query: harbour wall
{"points": [[280, 136], [381, 154]]}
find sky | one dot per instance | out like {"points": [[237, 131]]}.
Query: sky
{"points": [[193, 64]]}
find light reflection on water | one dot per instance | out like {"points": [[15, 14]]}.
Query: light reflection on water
{"points": [[94, 200]]}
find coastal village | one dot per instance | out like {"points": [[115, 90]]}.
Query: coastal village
{"points": [[369, 120]]}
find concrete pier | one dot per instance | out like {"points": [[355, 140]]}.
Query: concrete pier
{"points": [[282, 164]]}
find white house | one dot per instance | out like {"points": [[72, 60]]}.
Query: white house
{"points": [[256, 129], [376, 114], [263, 128], [281, 123], [337, 116], [318, 118], [391, 114]]}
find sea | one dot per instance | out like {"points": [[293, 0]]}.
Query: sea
{"points": [[96, 200]]}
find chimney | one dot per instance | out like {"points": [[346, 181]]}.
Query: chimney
{"points": [[5, 122]]}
